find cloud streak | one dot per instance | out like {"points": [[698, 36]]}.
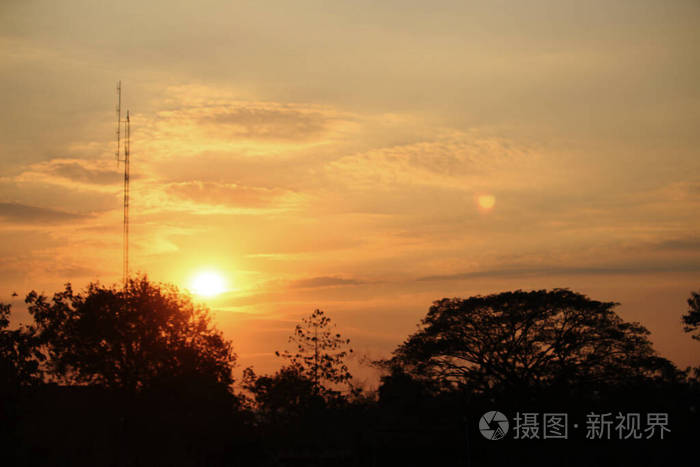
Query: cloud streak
{"points": [[216, 193], [268, 123], [688, 266], [322, 281], [76, 174], [24, 214]]}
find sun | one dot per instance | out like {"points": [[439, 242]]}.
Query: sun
{"points": [[208, 284], [486, 202]]}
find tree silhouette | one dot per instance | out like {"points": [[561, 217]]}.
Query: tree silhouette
{"points": [[528, 340], [283, 395], [144, 335], [19, 353], [691, 319], [320, 353]]}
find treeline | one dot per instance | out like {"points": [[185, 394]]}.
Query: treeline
{"points": [[140, 376]]}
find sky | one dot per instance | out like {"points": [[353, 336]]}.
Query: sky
{"points": [[361, 157]]}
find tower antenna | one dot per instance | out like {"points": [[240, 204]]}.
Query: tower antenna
{"points": [[125, 160], [119, 119]]}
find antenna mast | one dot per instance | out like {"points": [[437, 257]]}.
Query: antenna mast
{"points": [[125, 160]]}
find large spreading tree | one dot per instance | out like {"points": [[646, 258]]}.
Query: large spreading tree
{"points": [[136, 337], [529, 340]]}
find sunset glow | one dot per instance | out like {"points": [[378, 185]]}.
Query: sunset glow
{"points": [[349, 232], [361, 157]]}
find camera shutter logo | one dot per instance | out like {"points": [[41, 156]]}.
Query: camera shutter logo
{"points": [[493, 425]]}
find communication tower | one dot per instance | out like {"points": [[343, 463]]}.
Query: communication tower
{"points": [[125, 159]]}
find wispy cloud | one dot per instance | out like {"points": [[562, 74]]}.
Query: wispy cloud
{"points": [[323, 281], [451, 159], [267, 122], [682, 244], [687, 266], [76, 174], [21, 213], [232, 194], [202, 119]]}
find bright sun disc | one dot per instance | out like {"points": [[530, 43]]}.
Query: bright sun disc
{"points": [[208, 284], [486, 201]]}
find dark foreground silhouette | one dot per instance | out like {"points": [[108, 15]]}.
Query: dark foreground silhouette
{"points": [[139, 376]]}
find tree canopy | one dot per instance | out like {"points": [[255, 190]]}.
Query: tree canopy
{"points": [[517, 340], [691, 319], [19, 354], [287, 393], [139, 336]]}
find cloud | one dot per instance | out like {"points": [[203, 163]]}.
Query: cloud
{"points": [[22, 213], [451, 159], [564, 271], [78, 174], [232, 194], [209, 121], [323, 281], [80, 171], [269, 123], [681, 244]]}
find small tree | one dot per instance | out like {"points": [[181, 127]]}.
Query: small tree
{"points": [[320, 353], [691, 319], [144, 335]]}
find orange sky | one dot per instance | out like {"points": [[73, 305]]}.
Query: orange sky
{"points": [[360, 158]]}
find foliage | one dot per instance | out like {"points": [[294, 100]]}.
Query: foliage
{"points": [[529, 340], [320, 354], [144, 335], [19, 354], [691, 319], [285, 394], [147, 337]]}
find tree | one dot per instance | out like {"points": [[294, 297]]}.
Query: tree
{"points": [[320, 354], [287, 393], [142, 336], [691, 319], [528, 340], [19, 353]]}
